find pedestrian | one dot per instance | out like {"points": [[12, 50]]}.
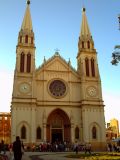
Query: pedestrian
{"points": [[2, 147], [17, 149], [88, 148], [76, 149]]}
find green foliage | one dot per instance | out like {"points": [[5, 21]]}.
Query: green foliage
{"points": [[96, 156]]}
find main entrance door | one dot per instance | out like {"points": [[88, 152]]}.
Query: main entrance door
{"points": [[57, 135], [58, 127]]}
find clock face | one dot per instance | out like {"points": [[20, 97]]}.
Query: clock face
{"points": [[92, 91], [24, 87], [57, 88]]}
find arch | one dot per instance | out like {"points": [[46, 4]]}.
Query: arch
{"points": [[26, 39], [28, 62], [82, 44], [94, 132], [87, 66], [93, 67], [76, 133], [58, 126], [88, 44], [38, 133], [28, 130], [22, 62], [23, 132]]}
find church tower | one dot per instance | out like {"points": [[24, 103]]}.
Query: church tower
{"points": [[24, 73], [25, 59], [91, 94]]}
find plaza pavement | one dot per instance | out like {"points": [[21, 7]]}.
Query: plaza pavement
{"points": [[44, 156]]}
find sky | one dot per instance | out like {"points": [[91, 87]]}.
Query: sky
{"points": [[56, 24]]}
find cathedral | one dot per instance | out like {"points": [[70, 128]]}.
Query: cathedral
{"points": [[56, 102]]}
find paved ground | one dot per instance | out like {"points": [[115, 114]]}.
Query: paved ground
{"points": [[43, 156]]}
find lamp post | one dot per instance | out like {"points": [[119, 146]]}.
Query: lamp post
{"points": [[116, 53]]}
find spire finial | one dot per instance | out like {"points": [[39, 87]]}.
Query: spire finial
{"points": [[28, 2], [83, 9]]}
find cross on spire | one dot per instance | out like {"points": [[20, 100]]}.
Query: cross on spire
{"points": [[57, 50]]}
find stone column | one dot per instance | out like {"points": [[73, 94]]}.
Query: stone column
{"points": [[13, 124], [72, 133], [33, 125], [44, 125], [44, 132]]}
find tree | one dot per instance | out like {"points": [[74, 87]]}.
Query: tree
{"points": [[116, 53]]}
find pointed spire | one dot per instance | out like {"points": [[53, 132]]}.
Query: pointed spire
{"points": [[85, 31], [85, 38], [27, 22]]}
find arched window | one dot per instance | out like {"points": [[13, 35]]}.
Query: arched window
{"points": [[26, 39], [87, 66], [76, 133], [22, 59], [82, 44], [88, 44], [38, 133], [28, 62], [94, 132], [23, 132], [93, 67]]}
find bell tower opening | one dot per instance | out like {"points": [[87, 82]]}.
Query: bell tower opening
{"points": [[58, 127]]}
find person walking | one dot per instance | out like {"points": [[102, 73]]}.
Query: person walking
{"points": [[17, 149]]}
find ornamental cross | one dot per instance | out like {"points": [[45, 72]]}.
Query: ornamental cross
{"points": [[57, 50]]}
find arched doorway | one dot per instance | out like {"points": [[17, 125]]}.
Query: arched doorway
{"points": [[58, 127]]}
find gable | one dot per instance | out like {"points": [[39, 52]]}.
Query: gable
{"points": [[57, 65]]}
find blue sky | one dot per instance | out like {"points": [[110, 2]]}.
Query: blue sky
{"points": [[56, 24]]}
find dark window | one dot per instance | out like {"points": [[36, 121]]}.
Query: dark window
{"points": [[77, 133], [26, 39], [88, 44], [93, 67], [28, 62], [22, 59], [82, 44], [23, 132], [94, 133], [87, 66], [38, 133]]}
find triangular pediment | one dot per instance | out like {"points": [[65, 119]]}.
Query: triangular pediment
{"points": [[56, 67], [56, 63]]}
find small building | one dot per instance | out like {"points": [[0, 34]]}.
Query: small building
{"points": [[112, 130], [5, 127]]}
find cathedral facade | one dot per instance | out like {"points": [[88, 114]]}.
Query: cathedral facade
{"points": [[56, 102]]}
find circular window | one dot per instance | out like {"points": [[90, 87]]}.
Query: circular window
{"points": [[57, 88]]}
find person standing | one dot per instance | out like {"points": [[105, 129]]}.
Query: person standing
{"points": [[17, 149]]}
